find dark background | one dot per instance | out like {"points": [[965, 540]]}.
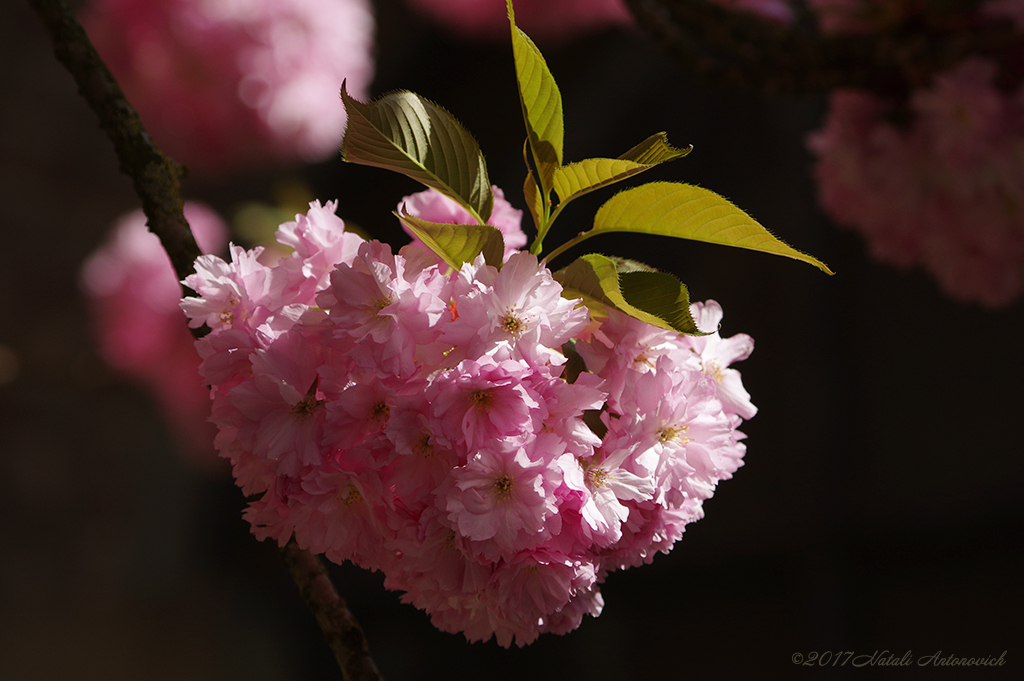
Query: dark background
{"points": [[879, 507]]}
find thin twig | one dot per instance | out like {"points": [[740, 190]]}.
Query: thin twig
{"points": [[156, 177], [157, 182], [341, 630]]}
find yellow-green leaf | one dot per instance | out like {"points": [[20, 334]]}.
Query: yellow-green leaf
{"points": [[652, 297], [541, 102], [533, 199], [662, 295], [688, 212], [576, 179], [654, 150], [458, 244], [404, 132]]}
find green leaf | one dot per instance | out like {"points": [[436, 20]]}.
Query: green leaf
{"points": [[533, 199], [458, 244], [576, 179], [404, 132], [654, 150], [689, 212], [656, 298], [574, 364], [541, 101], [662, 295]]}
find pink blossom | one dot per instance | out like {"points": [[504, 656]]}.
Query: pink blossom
{"points": [[486, 403], [1005, 9], [282, 407], [651, 528], [609, 484], [421, 462], [622, 345], [501, 500], [433, 206], [319, 242], [236, 294], [540, 19], [848, 16], [392, 319], [867, 16], [779, 11], [133, 296], [518, 311], [940, 192], [421, 422], [226, 84], [717, 353], [344, 516], [536, 586]]}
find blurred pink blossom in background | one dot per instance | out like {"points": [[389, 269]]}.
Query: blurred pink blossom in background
{"points": [[139, 327], [540, 19], [776, 10], [944, 191], [224, 83]]}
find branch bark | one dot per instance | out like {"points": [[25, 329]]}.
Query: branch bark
{"points": [[155, 176], [157, 182], [341, 630]]}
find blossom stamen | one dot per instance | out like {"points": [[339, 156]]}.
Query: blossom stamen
{"points": [[380, 413], [309, 404], [424, 448], [481, 400], [513, 324], [503, 488], [378, 304], [642, 358], [671, 433], [713, 370], [350, 499]]}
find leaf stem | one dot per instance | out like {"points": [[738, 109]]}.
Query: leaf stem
{"points": [[579, 238]]}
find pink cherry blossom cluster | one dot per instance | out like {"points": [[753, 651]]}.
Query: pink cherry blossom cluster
{"points": [[133, 297], [384, 409], [943, 191], [224, 84]]}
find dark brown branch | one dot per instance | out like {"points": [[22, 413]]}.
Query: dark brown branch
{"points": [[341, 630], [156, 177], [157, 182], [741, 49]]}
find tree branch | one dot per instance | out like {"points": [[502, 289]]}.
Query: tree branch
{"points": [[341, 630], [156, 177], [157, 182], [741, 49]]}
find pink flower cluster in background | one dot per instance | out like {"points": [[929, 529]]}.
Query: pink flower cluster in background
{"points": [[866, 16], [134, 299], [944, 191], [776, 10], [541, 19], [221, 84], [429, 423]]}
